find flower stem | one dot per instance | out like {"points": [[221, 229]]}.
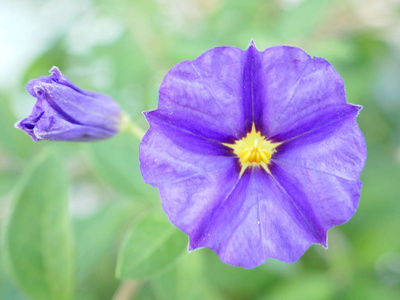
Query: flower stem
{"points": [[127, 290], [128, 125]]}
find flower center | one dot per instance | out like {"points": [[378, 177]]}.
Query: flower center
{"points": [[253, 150], [254, 153]]}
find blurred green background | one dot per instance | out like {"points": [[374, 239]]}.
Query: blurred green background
{"points": [[66, 208]]}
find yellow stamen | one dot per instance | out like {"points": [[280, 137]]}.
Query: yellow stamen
{"points": [[265, 156], [253, 150], [245, 155], [252, 156], [257, 158]]}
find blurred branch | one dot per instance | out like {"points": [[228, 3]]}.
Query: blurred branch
{"points": [[127, 290]]}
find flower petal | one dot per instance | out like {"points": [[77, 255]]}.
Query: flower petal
{"points": [[73, 104], [338, 148], [58, 129], [255, 222], [28, 124], [205, 96], [296, 93], [65, 112], [325, 200], [178, 163], [186, 139], [46, 123], [320, 170]]}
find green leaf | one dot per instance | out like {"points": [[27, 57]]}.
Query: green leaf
{"points": [[37, 244], [7, 180], [152, 245], [117, 162], [7, 289], [183, 281], [98, 236]]}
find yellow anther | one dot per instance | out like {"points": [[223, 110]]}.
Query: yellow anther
{"points": [[257, 156], [254, 150], [245, 155], [252, 156], [265, 156], [267, 153]]}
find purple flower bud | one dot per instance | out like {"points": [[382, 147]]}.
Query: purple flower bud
{"points": [[64, 112]]}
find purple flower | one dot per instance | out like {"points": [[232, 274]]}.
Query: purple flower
{"points": [[64, 112], [256, 154]]}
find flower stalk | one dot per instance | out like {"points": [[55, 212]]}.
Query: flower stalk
{"points": [[127, 125]]}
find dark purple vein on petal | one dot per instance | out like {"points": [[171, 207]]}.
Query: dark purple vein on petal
{"points": [[247, 91], [330, 122], [308, 222], [188, 131], [257, 89], [240, 222], [206, 222]]}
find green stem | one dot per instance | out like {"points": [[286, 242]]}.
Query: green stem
{"points": [[127, 290], [128, 125]]}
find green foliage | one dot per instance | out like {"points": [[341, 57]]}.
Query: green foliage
{"points": [[38, 242], [308, 287], [302, 19], [12, 142], [151, 246], [116, 161], [99, 234], [182, 282]]}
